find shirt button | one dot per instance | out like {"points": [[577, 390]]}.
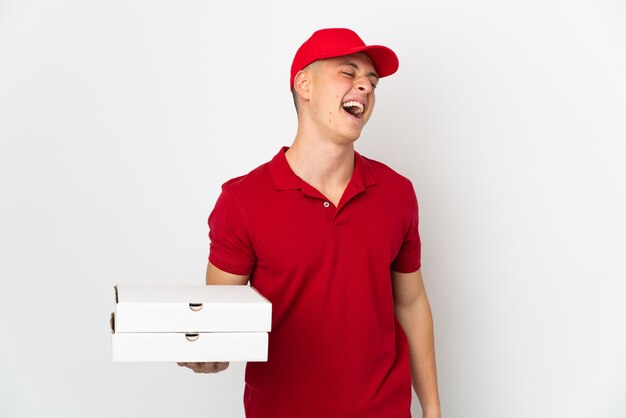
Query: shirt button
{"points": [[326, 204]]}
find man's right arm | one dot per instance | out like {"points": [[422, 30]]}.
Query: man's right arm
{"points": [[215, 276]]}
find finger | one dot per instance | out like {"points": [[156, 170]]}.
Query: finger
{"points": [[212, 367], [202, 367], [209, 367], [191, 365], [220, 367], [195, 366]]}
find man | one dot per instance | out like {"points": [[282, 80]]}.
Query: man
{"points": [[331, 239]]}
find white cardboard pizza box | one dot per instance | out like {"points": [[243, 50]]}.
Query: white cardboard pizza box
{"points": [[191, 308], [185, 323], [181, 347]]}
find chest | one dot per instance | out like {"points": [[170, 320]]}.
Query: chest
{"points": [[296, 232]]}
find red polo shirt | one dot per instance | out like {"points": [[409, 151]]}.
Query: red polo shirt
{"points": [[335, 349]]}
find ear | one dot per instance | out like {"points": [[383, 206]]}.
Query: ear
{"points": [[302, 84]]}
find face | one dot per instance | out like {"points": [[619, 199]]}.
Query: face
{"points": [[342, 96]]}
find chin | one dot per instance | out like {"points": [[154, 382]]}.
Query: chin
{"points": [[352, 137], [347, 136], [345, 142]]}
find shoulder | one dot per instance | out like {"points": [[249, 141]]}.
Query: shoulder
{"points": [[390, 185], [384, 174], [240, 195], [255, 180]]}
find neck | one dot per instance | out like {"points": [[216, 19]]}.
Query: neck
{"points": [[325, 165]]}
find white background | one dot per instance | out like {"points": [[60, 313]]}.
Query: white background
{"points": [[119, 121]]}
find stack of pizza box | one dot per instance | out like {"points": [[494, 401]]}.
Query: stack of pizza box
{"points": [[190, 323]]}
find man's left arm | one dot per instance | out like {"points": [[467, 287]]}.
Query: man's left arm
{"points": [[413, 312]]}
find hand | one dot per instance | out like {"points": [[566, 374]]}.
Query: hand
{"points": [[212, 367]]}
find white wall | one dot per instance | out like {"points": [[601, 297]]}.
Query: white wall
{"points": [[119, 121]]}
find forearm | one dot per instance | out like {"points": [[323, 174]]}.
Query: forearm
{"points": [[417, 323]]}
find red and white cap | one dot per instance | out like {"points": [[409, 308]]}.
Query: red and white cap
{"points": [[337, 42]]}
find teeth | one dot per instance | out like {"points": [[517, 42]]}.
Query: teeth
{"points": [[356, 104]]}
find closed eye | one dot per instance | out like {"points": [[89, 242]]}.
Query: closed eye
{"points": [[373, 80]]}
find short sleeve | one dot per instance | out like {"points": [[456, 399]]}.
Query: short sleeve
{"points": [[230, 249], [408, 259]]}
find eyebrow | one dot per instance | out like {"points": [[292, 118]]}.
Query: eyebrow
{"points": [[356, 67]]}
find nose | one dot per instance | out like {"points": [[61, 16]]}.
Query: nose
{"points": [[364, 85]]}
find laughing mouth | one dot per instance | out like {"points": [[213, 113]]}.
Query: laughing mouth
{"points": [[353, 107]]}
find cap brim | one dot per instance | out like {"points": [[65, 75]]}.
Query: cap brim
{"points": [[384, 59]]}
